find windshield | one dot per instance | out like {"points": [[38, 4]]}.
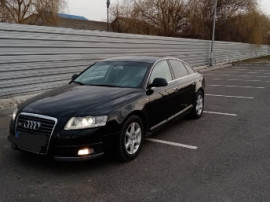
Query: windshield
{"points": [[115, 73]]}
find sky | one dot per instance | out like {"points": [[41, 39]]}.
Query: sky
{"points": [[96, 9], [265, 6], [91, 9]]}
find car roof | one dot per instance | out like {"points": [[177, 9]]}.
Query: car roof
{"points": [[147, 59]]}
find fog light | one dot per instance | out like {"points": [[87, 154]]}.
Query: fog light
{"points": [[86, 151]]}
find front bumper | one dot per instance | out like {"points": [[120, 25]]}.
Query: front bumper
{"points": [[64, 145], [82, 158], [70, 152]]}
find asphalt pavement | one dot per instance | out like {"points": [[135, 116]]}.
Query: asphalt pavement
{"points": [[224, 156]]}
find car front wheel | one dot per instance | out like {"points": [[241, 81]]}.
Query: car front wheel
{"points": [[131, 139], [198, 105]]}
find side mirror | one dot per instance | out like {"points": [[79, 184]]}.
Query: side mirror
{"points": [[158, 82], [74, 76]]}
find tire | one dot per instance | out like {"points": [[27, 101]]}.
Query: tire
{"points": [[130, 139], [198, 105]]}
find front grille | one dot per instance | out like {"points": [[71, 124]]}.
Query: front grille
{"points": [[34, 139], [46, 126]]}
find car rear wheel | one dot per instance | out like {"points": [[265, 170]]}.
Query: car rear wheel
{"points": [[131, 139], [198, 105]]}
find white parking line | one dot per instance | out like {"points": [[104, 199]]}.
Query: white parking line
{"points": [[246, 72], [232, 75], [247, 80], [218, 79], [171, 143], [253, 72], [230, 96], [234, 86], [252, 76], [219, 113], [257, 70]]}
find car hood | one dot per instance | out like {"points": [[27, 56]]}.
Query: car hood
{"points": [[77, 100]]}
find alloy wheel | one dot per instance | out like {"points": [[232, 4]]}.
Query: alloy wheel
{"points": [[199, 104], [133, 138]]}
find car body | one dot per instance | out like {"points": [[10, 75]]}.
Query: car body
{"points": [[109, 106]]}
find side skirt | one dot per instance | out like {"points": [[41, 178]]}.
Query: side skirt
{"points": [[172, 117]]}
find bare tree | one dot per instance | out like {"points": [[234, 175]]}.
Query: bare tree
{"points": [[166, 17], [237, 20], [201, 16], [126, 20], [30, 11], [252, 27]]}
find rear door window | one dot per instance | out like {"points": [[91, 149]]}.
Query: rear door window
{"points": [[179, 68], [189, 68]]}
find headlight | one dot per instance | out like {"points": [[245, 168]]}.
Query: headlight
{"points": [[14, 114], [86, 122]]}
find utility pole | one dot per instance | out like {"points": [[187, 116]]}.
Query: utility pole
{"points": [[108, 6], [213, 34]]}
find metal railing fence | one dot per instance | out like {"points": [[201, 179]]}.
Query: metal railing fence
{"points": [[36, 58]]}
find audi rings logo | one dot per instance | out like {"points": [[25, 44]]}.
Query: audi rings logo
{"points": [[32, 125]]}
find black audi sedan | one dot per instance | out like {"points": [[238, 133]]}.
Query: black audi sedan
{"points": [[108, 107]]}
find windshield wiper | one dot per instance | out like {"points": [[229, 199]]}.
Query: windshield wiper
{"points": [[105, 85], [79, 83]]}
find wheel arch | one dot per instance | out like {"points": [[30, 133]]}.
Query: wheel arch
{"points": [[201, 89], [140, 115]]}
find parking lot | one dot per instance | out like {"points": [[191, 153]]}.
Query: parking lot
{"points": [[224, 156]]}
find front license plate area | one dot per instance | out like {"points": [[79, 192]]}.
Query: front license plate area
{"points": [[35, 143]]}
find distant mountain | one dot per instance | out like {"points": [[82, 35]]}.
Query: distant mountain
{"points": [[74, 17]]}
